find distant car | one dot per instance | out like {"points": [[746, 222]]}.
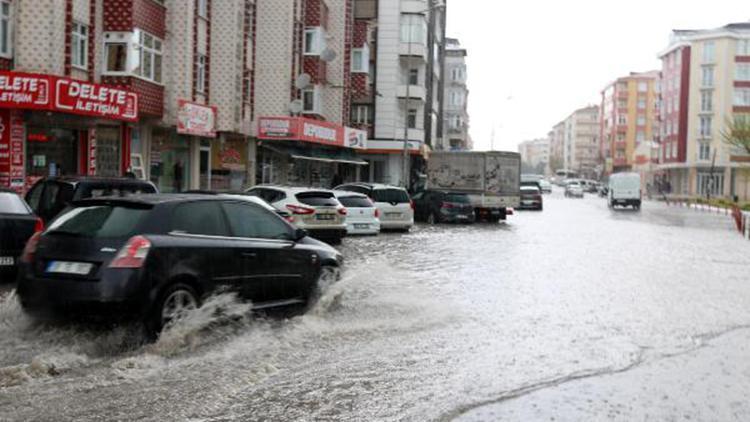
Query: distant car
{"points": [[362, 216], [395, 205], [315, 210], [155, 257], [49, 196], [433, 206], [17, 224], [625, 190], [573, 189], [534, 183], [545, 186], [590, 186], [531, 198]]}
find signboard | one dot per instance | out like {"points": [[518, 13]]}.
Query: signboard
{"points": [[96, 100], [47, 92], [17, 163], [4, 148], [92, 152], [309, 130], [196, 119]]}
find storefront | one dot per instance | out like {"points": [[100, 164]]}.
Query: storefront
{"points": [[304, 152], [53, 126]]}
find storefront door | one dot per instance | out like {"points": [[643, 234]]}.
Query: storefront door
{"points": [[205, 168], [108, 151], [170, 161]]}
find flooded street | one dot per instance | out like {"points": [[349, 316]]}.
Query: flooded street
{"points": [[574, 313]]}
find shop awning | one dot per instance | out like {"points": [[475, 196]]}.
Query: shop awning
{"points": [[342, 157]]}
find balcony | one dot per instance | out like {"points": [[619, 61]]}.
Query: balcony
{"points": [[414, 135], [414, 49], [416, 92]]}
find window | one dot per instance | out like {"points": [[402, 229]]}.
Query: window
{"points": [[80, 45], [709, 184], [641, 103], [622, 103], [411, 120], [622, 119], [709, 52], [640, 136], [708, 76], [104, 221], [457, 98], [455, 122], [149, 66], [743, 72], [412, 77], [707, 101], [457, 74], [116, 55], [315, 41], [6, 30], [641, 120], [250, 221], [311, 100], [361, 114], [642, 86], [202, 6], [742, 97], [413, 29], [743, 47], [705, 126], [201, 218], [361, 60], [704, 151], [200, 73]]}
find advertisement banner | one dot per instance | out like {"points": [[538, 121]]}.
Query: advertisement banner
{"points": [[4, 148], [96, 100], [309, 130], [355, 138], [17, 163], [30, 91], [92, 152], [277, 128], [196, 119]]}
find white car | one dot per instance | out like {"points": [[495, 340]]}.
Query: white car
{"points": [[362, 216], [573, 189], [315, 210], [395, 205]]}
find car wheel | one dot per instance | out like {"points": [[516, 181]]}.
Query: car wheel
{"points": [[173, 304], [328, 276]]}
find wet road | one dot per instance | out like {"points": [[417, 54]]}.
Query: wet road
{"points": [[574, 313]]}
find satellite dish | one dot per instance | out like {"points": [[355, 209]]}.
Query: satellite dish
{"points": [[296, 106], [328, 55], [303, 81]]}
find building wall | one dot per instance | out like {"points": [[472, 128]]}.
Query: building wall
{"points": [[40, 36]]}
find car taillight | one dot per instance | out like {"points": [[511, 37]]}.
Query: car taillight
{"points": [[296, 209], [30, 249], [411, 203], [447, 205], [377, 212], [39, 225], [133, 254], [509, 211], [343, 211]]}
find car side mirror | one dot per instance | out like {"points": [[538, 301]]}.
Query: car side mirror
{"points": [[299, 234]]}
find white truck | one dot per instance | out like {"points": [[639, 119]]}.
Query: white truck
{"points": [[492, 179], [624, 190]]}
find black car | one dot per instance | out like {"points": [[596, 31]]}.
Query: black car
{"points": [[531, 198], [17, 225], [49, 196], [435, 206], [155, 256]]}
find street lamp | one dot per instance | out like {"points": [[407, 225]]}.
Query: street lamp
{"points": [[407, 102]]}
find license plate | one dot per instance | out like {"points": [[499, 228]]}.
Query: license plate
{"points": [[462, 217], [393, 214], [7, 261], [64, 267], [325, 217], [361, 226]]}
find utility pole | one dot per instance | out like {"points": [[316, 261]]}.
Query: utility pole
{"points": [[407, 103]]}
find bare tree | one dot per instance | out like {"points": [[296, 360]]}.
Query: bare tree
{"points": [[737, 133]]}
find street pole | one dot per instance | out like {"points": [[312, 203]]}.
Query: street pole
{"points": [[407, 103]]}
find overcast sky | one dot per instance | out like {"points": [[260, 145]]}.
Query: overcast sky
{"points": [[533, 62]]}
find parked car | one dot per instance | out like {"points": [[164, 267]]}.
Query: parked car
{"points": [[625, 190], [434, 206], [395, 205], [49, 196], [590, 186], [573, 189], [531, 198], [545, 186], [362, 216], [17, 224], [534, 183], [315, 210], [286, 215], [154, 257]]}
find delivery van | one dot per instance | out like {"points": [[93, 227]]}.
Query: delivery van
{"points": [[625, 190]]}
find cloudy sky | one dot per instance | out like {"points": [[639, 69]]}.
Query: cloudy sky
{"points": [[532, 62]]}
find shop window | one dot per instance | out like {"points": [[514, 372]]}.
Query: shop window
{"points": [[170, 161], [51, 152], [80, 45], [6, 29]]}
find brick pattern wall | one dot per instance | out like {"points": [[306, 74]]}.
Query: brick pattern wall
{"points": [[93, 37], [40, 35], [118, 15], [276, 54], [348, 42], [150, 16], [150, 95], [178, 57], [360, 86]]}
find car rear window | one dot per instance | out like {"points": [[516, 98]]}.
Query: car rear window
{"points": [[317, 199], [391, 196], [355, 202], [116, 191], [99, 221], [457, 198], [529, 189], [10, 203]]}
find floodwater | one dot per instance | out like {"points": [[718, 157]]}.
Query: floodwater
{"points": [[574, 313]]}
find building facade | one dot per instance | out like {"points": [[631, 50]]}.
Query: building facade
{"points": [[706, 83], [629, 118], [456, 122], [535, 155], [580, 144]]}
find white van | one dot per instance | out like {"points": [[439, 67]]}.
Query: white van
{"points": [[625, 190]]}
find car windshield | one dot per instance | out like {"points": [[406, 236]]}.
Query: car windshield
{"points": [[355, 202], [391, 196], [317, 199], [99, 221], [11, 203]]}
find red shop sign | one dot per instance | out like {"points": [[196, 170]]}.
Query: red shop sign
{"points": [[5, 148], [301, 129], [25, 90], [196, 119]]}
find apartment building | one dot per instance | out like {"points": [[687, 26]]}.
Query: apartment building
{"points": [[629, 118], [556, 146], [102, 87], [535, 155], [456, 122], [706, 83], [577, 142]]}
